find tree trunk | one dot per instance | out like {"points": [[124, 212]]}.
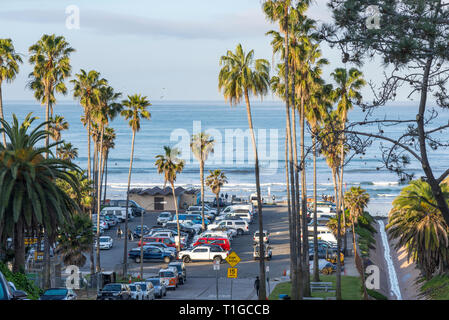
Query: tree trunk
{"points": [[47, 258], [262, 290], [19, 247], [337, 201], [1, 114], [100, 157], [316, 272], [125, 248], [106, 177], [218, 204], [293, 257], [203, 225], [178, 243]]}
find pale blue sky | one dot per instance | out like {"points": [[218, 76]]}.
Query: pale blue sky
{"points": [[144, 46]]}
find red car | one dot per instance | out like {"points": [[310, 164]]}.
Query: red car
{"points": [[222, 242], [167, 241]]}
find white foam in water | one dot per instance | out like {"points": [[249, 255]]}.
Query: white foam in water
{"points": [[392, 277]]}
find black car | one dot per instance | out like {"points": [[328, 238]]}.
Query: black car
{"points": [[135, 207], [137, 232], [115, 291], [7, 293]]}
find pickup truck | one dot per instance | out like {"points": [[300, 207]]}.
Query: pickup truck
{"points": [[203, 253], [150, 253]]}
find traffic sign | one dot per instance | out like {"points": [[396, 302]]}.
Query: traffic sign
{"points": [[233, 259], [216, 265], [232, 273]]}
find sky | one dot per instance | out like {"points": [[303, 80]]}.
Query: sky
{"points": [[166, 50]]}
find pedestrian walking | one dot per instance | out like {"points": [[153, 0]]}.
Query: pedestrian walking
{"points": [[119, 233], [130, 235], [257, 285]]}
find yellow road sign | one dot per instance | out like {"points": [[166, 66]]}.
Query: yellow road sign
{"points": [[232, 273], [233, 259]]}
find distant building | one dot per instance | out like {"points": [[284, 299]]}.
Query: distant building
{"points": [[157, 199]]}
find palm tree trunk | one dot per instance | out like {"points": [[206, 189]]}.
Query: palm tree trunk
{"points": [[203, 225], [293, 256], [99, 199], [125, 248], [19, 247], [175, 200], [262, 290], [316, 272], [89, 175], [305, 236], [218, 203], [47, 262], [1, 114], [106, 177], [337, 201]]}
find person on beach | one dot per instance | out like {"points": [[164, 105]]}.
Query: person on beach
{"points": [[257, 285], [119, 233]]}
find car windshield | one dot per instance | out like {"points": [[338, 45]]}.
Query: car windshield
{"points": [[143, 286], [133, 288], [56, 292], [166, 274], [104, 239], [155, 282], [165, 215], [112, 287]]}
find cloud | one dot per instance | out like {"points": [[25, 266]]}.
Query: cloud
{"points": [[246, 24]]}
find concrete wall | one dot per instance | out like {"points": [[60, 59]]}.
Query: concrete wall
{"points": [[147, 201]]}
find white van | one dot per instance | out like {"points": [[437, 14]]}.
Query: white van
{"points": [[243, 214], [323, 233], [229, 209], [119, 212]]}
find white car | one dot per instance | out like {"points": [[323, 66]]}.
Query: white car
{"points": [[190, 224], [203, 253], [119, 212], [136, 291], [147, 290], [199, 208], [164, 217], [323, 233], [241, 226], [106, 242], [266, 236]]}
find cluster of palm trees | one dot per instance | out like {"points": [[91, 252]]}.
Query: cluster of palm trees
{"points": [[307, 98], [50, 58]]}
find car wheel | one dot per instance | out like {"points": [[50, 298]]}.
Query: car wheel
{"points": [[239, 232], [167, 259], [137, 260], [218, 259], [186, 259]]}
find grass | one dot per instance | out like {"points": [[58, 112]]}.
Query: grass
{"points": [[437, 288], [350, 288]]}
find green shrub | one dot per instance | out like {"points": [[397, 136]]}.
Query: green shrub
{"points": [[376, 295], [21, 282]]}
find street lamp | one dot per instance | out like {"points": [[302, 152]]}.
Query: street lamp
{"points": [[141, 239]]}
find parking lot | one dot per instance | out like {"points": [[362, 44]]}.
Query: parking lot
{"points": [[201, 276]]}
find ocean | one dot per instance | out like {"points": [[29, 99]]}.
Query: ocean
{"points": [[172, 123]]}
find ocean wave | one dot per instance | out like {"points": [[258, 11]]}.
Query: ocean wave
{"points": [[387, 195]]}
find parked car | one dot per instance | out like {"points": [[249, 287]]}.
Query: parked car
{"points": [[182, 273], [147, 290], [94, 229], [160, 290], [231, 232], [199, 208], [119, 212], [241, 226], [106, 242], [267, 251], [266, 236], [111, 220], [169, 277], [58, 294], [137, 232], [185, 226], [136, 209], [203, 253], [244, 214], [6, 293], [167, 241], [323, 233], [207, 214], [150, 253], [136, 291], [163, 246], [114, 291], [222, 242], [164, 217], [214, 234]]}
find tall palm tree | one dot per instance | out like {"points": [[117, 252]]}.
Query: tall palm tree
{"points": [[9, 68], [86, 89], [57, 125], [215, 180], [170, 166], [30, 197], [135, 110], [202, 144], [50, 57], [356, 200], [418, 225], [242, 75], [347, 92], [67, 151], [108, 144]]}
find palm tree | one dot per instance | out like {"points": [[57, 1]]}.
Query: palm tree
{"points": [[86, 90], [82, 196], [240, 76], [50, 57], [418, 225], [347, 92], [30, 198], [215, 180], [9, 68], [135, 110], [202, 144], [57, 125], [170, 165], [356, 200], [75, 239], [67, 152], [108, 144]]}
